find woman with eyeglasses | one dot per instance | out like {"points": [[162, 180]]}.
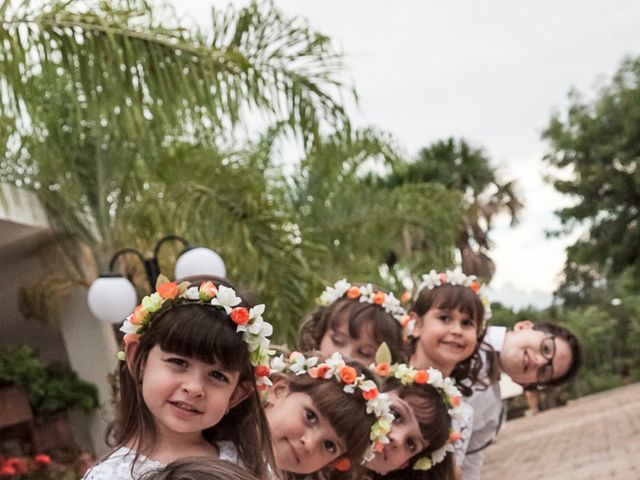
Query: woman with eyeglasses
{"points": [[535, 356]]}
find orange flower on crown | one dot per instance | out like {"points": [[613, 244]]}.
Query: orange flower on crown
{"points": [[168, 290], [455, 401], [348, 374], [130, 337], [378, 298], [322, 369], [240, 315], [207, 291], [139, 315], [406, 296], [454, 436], [353, 292], [475, 287], [421, 377], [370, 394], [342, 464], [383, 369], [262, 371]]}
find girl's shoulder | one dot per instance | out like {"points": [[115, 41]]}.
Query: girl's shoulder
{"points": [[117, 466], [228, 451]]}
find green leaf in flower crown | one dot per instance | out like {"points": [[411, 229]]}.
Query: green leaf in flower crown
{"points": [[383, 354], [161, 279]]}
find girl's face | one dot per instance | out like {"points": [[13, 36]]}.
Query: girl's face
{"points": [[303, 440], [337, 339], [405, 439], [186, 395], [447, 337]]}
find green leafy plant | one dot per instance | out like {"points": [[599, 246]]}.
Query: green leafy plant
{"points": [[50, 388]]}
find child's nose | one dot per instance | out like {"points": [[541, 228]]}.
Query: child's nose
{"points": [[311, 440], [193, 386]]}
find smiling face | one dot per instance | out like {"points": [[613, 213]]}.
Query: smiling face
{"points": [[185, 395], [524, 353], [405, 439], [303, 440], [446, 337]]}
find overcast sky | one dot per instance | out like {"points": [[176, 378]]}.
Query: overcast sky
{"points": [[491, 72]]}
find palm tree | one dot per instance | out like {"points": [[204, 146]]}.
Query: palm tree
{"points": [[123, 123], [460, 167]]}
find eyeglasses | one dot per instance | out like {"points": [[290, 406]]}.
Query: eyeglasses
{"points": [[548, 352]]}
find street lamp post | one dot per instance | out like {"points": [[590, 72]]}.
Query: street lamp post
{"points": [[112, 297]]}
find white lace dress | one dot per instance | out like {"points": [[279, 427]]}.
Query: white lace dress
{"points": [[117, 466]]}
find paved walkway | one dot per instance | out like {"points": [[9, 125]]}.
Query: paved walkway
{"points": [[594, 437]]}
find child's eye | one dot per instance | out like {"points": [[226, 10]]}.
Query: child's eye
{"points": [[330, 446], [444, 318], [468, 323], [177, 361], [365, 354], [311, 415], [219, 376], [338, 341], [397, 417]]}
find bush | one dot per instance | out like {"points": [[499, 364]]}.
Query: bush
{"points": [[50, 388]]}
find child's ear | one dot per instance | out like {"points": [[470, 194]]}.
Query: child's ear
{"points": [[523, 325], [242, 391], [130, 350], [418, 325], [279, 390]]}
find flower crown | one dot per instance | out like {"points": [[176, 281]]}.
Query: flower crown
{"points": [[430, 376], [366, 294], [434, 279], [335, 368], [255, 331]]}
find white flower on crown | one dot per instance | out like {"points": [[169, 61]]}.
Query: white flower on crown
{"points": [[331, 294], [380, 405], [435, 378], [226, 298], [192, 293], [430, 280], [450, 389], [335, 361], [128, 327], [404, 373], [301, 365], [456, 277], [438, 455], [366, 293], [277, 364]]}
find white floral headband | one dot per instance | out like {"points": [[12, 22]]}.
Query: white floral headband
{"points": [[434, 279], [335, 368], [430, 376], [366, 294], [255, 331]]}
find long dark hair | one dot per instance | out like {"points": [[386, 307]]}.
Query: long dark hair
{"points": [[456, 297], [346, 412], [206, 333], [431, 411]]}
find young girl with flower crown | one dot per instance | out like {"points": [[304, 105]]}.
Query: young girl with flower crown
{"points": [[189, 378], [325, 415], [354, 320], [450, 315], [420, 443]]}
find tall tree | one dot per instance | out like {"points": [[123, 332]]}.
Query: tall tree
{"points": [[466, 169], [595, 147]]}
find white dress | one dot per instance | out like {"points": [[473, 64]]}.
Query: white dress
{"points": [[117, 466]]}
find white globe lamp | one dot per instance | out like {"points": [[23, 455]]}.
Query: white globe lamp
{"points": [[112, 298], [199, 261]]}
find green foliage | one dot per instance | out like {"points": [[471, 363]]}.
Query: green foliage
{"points": [[596, 144], [50, 388], [462, 168]]}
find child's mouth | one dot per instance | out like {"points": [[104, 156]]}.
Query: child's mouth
{"points": [[185, 407]]}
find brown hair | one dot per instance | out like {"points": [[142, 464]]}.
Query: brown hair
{"points": [[356, 314], [346, 412], [456, 297], [434, 421], [206, 333], [199, 468]]}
